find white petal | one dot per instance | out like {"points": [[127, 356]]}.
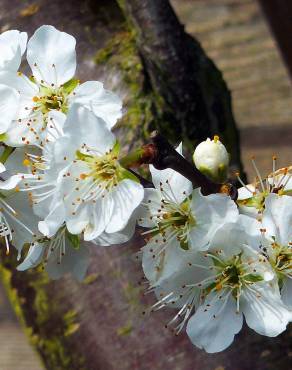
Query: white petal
{"points": [[119, 237], [77, 223], [244, 193], [12, 47], [126, 197], [252, 229], [264, 311], [210, 212], [11, 182], [33, 257], [24, 223], [82, 126], [54, 220], [26, 88], [230, 238], [101, 102], [19, 133], [2, 168], [9, 100], [75, 262], [286, 292], [55, 126], [101, 212], [277, 217], [152, 199], [215, 323], [178, 187], [51, 55], [157, 266]]}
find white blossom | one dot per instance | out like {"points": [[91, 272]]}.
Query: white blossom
{"points": [[12, 47], [179, 219], [52, 58], [216, 288], [99, 195], [276, 241], [212, 159], [58, 254], [251, 197], [17, 225]]}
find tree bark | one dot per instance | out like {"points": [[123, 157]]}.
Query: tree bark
{"points": [[167, 82], [279, 17]]}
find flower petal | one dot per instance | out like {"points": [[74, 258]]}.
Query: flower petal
{"points": [[33, 257], [82, 126], [151, 203], [51, 55], [215, 323], [286, 292], [176, 185], [12, 47], [210, 212], [9, 100], [101, 102], [264, 311], [119, 237], [126, 196], [74, 261], [277, 217], [54, 219]]}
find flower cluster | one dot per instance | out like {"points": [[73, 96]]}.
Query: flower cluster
{"points": [[62, 182], [65, 180]]}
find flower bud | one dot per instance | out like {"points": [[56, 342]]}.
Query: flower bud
{"points": [[212, 159]]}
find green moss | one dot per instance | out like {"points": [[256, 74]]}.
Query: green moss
{"points": [[133, 295], [46, 326], [125, 330], [143, 107], [90, 279]]}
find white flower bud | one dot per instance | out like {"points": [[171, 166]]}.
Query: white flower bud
{"points": [[212, 159]]}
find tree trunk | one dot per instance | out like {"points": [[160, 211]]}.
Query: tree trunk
{"points": [[279, 16], [167, 82]]}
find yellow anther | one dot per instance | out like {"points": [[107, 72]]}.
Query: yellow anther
{"points": [[26, 162], [35, 99], [83, 176], [218, 286], [19, 73], [216, 138], [17, 189]]}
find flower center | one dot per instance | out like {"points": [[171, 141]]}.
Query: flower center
{"points": [[176, 220], [51, 99], [281, 260], [102, 169], [232, 274]]}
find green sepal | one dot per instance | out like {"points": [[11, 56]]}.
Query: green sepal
{"points": [[184, 245], [217, 263], [256, 202], [8, 150], [73, 239], [219, 176], [3, 137], [253, 278], [70, 85], [125, 174], [83, 156], [116, 149]]}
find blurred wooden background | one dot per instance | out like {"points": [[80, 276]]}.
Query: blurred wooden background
{"points": [[236, 37]]}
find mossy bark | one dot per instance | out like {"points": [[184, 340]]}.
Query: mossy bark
{"points": [[167, 82]]}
